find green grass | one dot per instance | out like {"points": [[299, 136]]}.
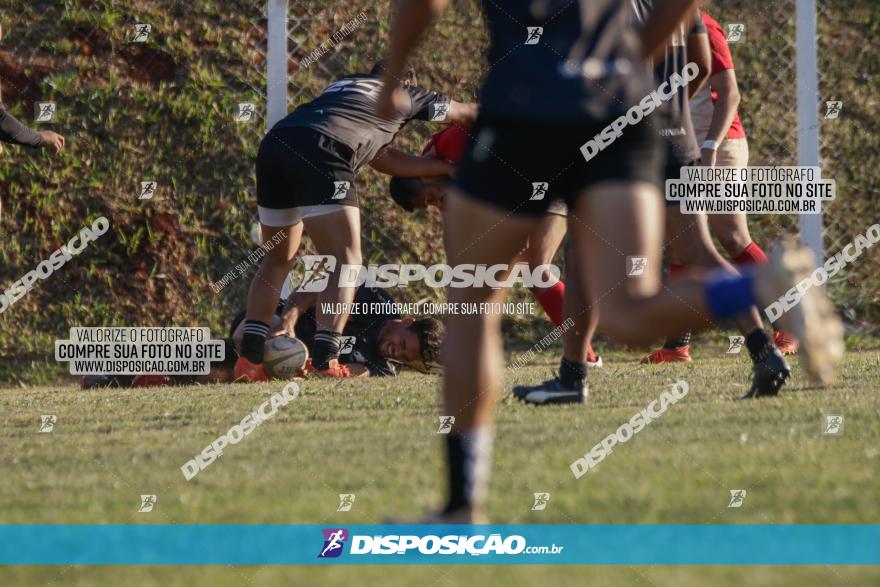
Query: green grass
{"points": [[447, 576], [377, 439]]}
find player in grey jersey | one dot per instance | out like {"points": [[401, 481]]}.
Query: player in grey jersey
{"points": [[306, 169]]}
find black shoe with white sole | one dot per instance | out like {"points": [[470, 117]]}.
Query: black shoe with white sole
{"points": [[769, 373], [551, 391]]}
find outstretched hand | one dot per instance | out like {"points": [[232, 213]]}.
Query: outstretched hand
{"points": [[52, 140]]}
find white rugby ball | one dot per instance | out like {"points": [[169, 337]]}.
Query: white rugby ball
{"points": [[284, 357]]}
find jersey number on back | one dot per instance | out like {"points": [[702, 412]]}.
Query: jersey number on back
{"points": [[367, 87]]}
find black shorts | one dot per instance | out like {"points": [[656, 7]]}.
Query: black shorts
{"points": [[299, 167], [521, 167], [672, 170]]}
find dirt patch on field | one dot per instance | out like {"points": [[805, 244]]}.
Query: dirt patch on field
{"points": [[148, 65], [20, 83]]}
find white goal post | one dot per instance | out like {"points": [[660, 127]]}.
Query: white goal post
{"points": [[807, 114], [276, 62], [807, 94]]}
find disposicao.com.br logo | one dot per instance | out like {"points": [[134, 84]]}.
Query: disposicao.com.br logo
{"points": [[429, 544]]}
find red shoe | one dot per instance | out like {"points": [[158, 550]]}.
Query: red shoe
{"points": [[786, 343], [335, 369], [664, 355], [247, 371], [150, 380]]}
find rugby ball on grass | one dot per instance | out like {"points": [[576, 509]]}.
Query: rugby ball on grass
{"points": [[285, 357]]}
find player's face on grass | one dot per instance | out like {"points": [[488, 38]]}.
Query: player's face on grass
{"points": [[430, 194], [400, 344]]}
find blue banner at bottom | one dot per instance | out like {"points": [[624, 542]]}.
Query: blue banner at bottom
{"points": [[591, 544]]}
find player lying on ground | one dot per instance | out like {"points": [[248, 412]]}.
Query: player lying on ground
{"points": [[306, 170], [15, 133], [418, 193], [539, 104], [382, 341]]}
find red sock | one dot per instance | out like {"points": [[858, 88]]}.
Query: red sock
{"points": [[751, 254], [551, 301], [675, 270]]}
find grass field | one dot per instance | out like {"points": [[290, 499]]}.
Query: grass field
{"points": [[378, 440]]}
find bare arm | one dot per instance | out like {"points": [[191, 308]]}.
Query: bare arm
{"points": [[667, 15], [411, 21], [723, 82], [698, 52], [397, 163], [297, 303]]}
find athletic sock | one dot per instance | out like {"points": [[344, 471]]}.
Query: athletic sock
{"points": [[759, 343], [551, 300], [254, 340], [326, 347], [571, 373], [728, 295], [751, 254], [676, 270], [469, 455]]}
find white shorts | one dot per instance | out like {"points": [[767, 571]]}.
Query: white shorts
{"points": [[733, 153], [291, 216]]}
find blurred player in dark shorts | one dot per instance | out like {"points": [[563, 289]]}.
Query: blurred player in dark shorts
{"points": [[416, 193], [542, 101]]}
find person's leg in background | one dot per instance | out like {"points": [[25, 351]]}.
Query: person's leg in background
{"points": [[624, 220], [544, 241], [337, 234], [581, 317], [732, 232], [691, 244], [675, 349]]}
